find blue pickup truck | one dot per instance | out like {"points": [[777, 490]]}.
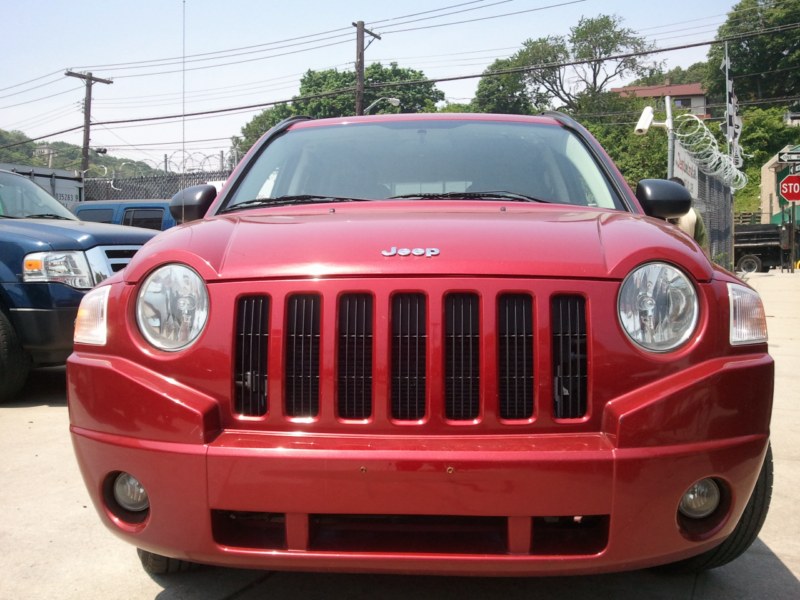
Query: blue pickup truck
{"points": [[152, 214], [48, 260]]}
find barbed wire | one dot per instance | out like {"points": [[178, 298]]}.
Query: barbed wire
{"points": [[700, 143]]}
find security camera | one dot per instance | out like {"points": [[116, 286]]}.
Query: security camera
{"points": [[644, 121]]}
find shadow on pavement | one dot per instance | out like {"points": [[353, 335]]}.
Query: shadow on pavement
{"points": [[46, 386], [756, 575]]}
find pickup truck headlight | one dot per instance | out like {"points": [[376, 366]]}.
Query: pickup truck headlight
{"points": [[69, 268], [658, 307], [172, 307], [748, 320]]}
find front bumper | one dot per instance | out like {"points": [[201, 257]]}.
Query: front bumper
{"points": [[461, 504]]}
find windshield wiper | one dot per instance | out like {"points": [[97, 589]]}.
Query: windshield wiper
{"points": [[288, 201], [48, 216], [8, 217], [491, 195]]}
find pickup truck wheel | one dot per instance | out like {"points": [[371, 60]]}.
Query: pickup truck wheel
{"points": [[749, 263], [14, 361], [745, 532], [155, 564]]}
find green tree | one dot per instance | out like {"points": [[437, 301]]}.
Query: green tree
{"points": [[331, 93], [571, 88], [695, 73], [636, 156], [20, 150], [765, 65], [764, 134], [504, 93], [457, 107], [260, 124]]}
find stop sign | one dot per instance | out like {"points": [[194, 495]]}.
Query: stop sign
{"points": [[790, 188]]}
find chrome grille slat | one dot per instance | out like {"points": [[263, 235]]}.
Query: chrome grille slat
{"points": [[355, 356], [251, 360], [568, 323], [462, 357], [515, 356], [409, 350], [302, 355]]}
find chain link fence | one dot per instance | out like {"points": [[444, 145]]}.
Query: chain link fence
{"points": [[714, 202], [152, 187]]}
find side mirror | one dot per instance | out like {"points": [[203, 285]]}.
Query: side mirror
{"points": [[663, 199], [192, 203]]}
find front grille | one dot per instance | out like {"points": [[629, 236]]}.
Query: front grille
{"points": [[355, 356], [104, 261], [569, 356], [409, 351], [515, 356], [478, 536], [409, 358], [251, 359], [119, 256], [462, 357], [302, 355]]}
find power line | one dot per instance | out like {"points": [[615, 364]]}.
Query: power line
{"points": [[389, 85]]}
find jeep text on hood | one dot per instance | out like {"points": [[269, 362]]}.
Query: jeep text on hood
{"points": [[444, 344]]}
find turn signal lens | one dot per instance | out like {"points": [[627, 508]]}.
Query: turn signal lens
{"points": [[91, 322], [748, 320]]}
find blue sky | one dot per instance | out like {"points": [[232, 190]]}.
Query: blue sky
{"points": [[167, 57]]}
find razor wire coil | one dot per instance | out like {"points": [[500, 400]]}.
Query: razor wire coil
{"points": [[700, 143]]}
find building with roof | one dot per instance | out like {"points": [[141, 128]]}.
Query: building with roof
{"points": [[690, 96]]}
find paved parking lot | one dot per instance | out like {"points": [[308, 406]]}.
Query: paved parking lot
{"points": [[55, 547]]}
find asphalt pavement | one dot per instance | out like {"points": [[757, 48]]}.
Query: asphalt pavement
{"points": [[54, 546]]}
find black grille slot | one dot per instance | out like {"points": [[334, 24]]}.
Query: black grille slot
{"points": [[409, 345], [355, 356], [302, 355], [515, 356], [569, 356], [462, 357], [250, 368]]}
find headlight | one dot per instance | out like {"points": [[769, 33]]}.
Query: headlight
{"points": [[658, 307], [70, 268], [90, 324], [172, 307], [748, 321]]}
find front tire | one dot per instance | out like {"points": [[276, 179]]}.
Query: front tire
{"points": [[14, 361], [155, 564], [746, 530]]}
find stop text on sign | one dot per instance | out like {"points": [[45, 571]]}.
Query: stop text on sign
{"points": [[790, 188]]}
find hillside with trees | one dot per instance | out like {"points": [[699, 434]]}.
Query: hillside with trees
{"points": [[20, 150]]}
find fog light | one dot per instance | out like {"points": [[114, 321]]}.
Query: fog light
{"points": [[701, 499], [130, 494]]}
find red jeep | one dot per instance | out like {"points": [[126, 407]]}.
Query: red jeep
{"points": [[444, 344]]}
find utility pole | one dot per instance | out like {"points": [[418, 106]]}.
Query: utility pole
{"points": [[87, 113], [360, 31]]}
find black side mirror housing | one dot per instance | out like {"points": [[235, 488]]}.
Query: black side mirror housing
{"points": [[663, 199], [192, 203]]}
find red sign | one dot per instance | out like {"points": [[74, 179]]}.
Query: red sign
{"points": [[790, 188]]}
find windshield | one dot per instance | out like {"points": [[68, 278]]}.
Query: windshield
{"points": [[427, 159], [20, 198]]}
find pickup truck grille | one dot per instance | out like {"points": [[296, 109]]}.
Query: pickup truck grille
{"points": [[415, 365], [107, 260]]}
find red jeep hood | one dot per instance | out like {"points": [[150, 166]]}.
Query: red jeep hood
{"points": [[446, 238]]}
